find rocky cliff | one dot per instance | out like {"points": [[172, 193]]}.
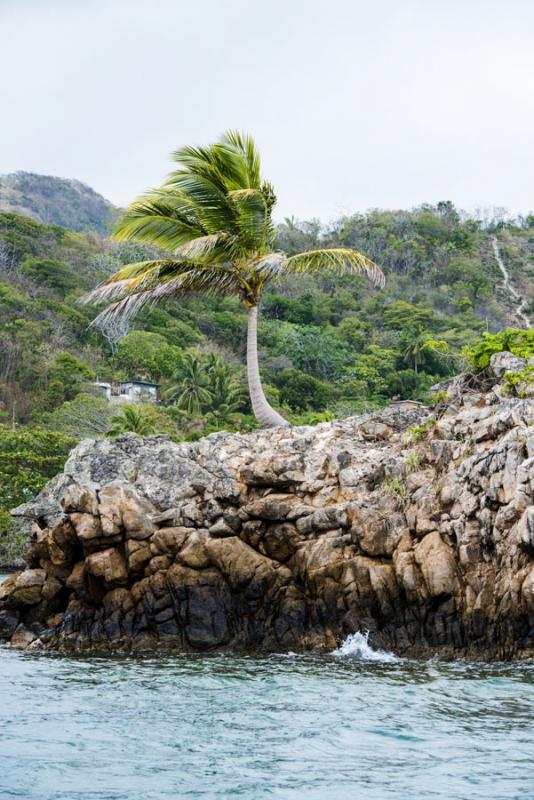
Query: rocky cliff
{"points": [[416, 525]]}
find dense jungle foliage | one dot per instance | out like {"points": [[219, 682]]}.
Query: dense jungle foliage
{"points": [[329, 345]]}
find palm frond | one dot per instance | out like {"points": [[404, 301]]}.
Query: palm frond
{"points": [[161, 219], [126, 308], [336, 259], [269, 266], [245, 148], [204, 162], [206, 279], [214, 245], [210, 202], [104, 293], [252, 217], [134, 277]]}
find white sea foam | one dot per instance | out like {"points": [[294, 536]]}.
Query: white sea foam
{"points": [[356, 645]]}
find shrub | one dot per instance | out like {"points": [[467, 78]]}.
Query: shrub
{"points": [[303, 392], [28, 459], [513, 340]]}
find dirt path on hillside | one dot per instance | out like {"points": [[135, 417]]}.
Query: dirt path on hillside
{"points": [[521, 303]]}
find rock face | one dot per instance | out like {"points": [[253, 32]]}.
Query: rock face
{"points": [[416, 527]]}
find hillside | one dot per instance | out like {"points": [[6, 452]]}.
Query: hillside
{"points": [[57, 201], [330, 346]]}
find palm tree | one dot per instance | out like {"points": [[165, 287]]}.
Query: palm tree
{"points": [[191, 389], [214, 218], [226, 391], [418, 344], [132, 419]]}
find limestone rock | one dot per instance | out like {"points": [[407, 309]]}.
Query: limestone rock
{"points": [[375, 431]]}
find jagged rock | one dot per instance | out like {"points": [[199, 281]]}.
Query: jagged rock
{"points": [[291, 538], [107, 564], [25, 588], [376, 534], [22, 638], [76, 498], [375, 431], [221, 528], [77, 579], [88, 527], [194, 553], [525, 528], [500, 363], [138, 554], [437, 563], [169, 540], [9, 621]]}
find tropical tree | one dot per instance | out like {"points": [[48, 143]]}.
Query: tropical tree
{"points": [[213, 217], [191, 388], [133, 419], [226, 391], [419, 344]]}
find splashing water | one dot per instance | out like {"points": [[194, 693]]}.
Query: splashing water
{"points": [[357, 645]]}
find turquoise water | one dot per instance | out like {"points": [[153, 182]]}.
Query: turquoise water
{"points": [[355, 724]]}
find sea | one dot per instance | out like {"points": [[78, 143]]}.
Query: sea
{"points": [[354, 723]]}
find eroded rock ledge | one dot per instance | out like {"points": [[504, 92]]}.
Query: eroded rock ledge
{"points": [[292, 539]]}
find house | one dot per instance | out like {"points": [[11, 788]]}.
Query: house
{"points": [[138, 392], [129, 391]]}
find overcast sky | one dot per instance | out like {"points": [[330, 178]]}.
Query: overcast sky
{"points": [[355, 104]]}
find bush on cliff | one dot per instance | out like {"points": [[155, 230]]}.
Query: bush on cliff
{"points": [[513, 340]]}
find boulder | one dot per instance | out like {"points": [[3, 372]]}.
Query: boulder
{"points": [[438, 566], [501, 363], [107, 564], [26, 588], [375, 431], [79, 499]]}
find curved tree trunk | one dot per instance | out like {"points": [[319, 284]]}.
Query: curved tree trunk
{"points": [[266, 416]]}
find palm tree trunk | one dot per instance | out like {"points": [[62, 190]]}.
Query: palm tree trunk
{"points": [[266, 416]]}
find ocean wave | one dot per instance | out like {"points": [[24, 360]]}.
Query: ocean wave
{"points": [[356, 645]]}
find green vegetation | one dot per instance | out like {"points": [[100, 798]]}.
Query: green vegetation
{"points": [[518, 342], [28, 459], [213, 217], [419, 432], [396, 487], [519, 383], [329, 345], [134, 419]]}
